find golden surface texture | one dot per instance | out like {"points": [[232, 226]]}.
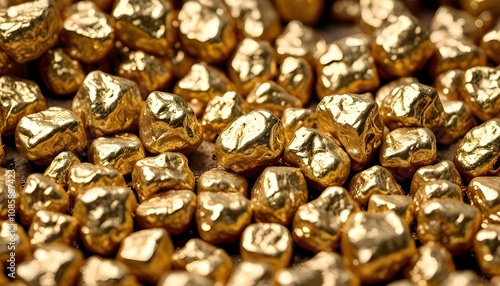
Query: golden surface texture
{"points": [[346, 11], [463, 278], [481, 91], [50, 227], [218, 180], [354, 123], [444, 170], [321, 160], [406, 149], [19, 97], [459, 120], [374, 180], [486, 250], [490, 43], [301, 41], [453, 54], [383, 248], [476, 7], [294, 118], [484, 194], [58, 170], [448, 84], [147, 253], [60, 73], [451, 223], [28, 30], [317, 225], [51, 265], [202, 258], [437, 189], [167, 123], [108, 104], [332, 269], [269, 243], [454, 23], [256, 19], [88, 34], [97, 271], [308, 12], [252, 274], [165, 172], [9, 193], [346, 67], [298, 276], [181, 62], [119, 152], [222, 217], [297, 78], [207, 30], [386, 90], [374, 13], [277, 194], [172, 210], [404, 54], [402, 205], [184, 278], [20, 246], [269, 95], [478, 153], [251, 143], [430, 266], [41, 193], [105, 216]]}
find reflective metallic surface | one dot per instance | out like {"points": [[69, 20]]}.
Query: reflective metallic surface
{"points": [[84, 176], [453, 54], [294, 118], [444, 170], [437, 189], [332, 268], [256, 19], [430, 266], [484, 193], [269, 95], [387, 89], [252, 274], [310, 45], [97, 271], [308, 12], [218, 180], [402, 205], [490, 43], [298, 276], [486, 247], [21, 243], [297, 78], [50, 227], [58, 170], [481, 91], [184, 278], [448, 84], [459, 120], [376, 12], [61, 74]]}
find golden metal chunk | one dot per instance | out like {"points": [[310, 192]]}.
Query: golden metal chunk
{"points": [[252, 274], [437, 189], [332, 269], [430, 266], [451, 223], [184, 278], [298, 276], [167, 123], [204, 259], [453, 54], [308, 12], [490, 43], [454, 23], [9, 66], [50, 227], [60, 73], [9, 194], [463, 278], [481, 91], [13, 239], [476, 7], [321, 160], [402, 205], [269, 95], [486, 249], [484, 194], [99, 271], [58, 170], [374, 13], [386, 90], [269, 243], [297, 78], [294, 118], [459, 120], [444, 170], [346, 67], [448, 84], [301, 41], [383, 249], [317, 225], [256, 19], [218, 180], [103, 233], [406, 149], [165, 172]]}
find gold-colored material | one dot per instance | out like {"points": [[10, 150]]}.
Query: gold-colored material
{"points": [[147, 253], [197, 106], [402, 205], [437, 189], [251, 143], [108, 104], [486, 247], [167, 171], [453, 54], [478, 154], [41, 193], [252, 62], [207, 30], [167, 123], [298, 276], [221, 217], [51, 265], [104, 5], [484, 194], [449, 222], [374, 180], [332, 269], [105, 215], [277, 194], [317, 225], [204, 259], [386, 90], [383, 248], [9, 193], [448, 84], [294, 118], [29, 29], [269, 243], [406, 149], [308, 12], [301, 41], [20, 245], [19, 97], [297, 78], [353, 121], [459, 120], [464, 278], [256, 19], [346, 11], [99, 271], [218, 180], [184, 278], [490, 43], [430, 266], [172, 210], [444, 170], [269, 95], [2, 152], [454, 23], [481, 91], [119, 152], [60, 73], [181, 62], [9, 66], [374, 13], [477, 7], [252, 274], [50, 227], [88, 33], [346, 67], [58, 170], [321, 160]]}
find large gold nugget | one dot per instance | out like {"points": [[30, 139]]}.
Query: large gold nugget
{"points": [[294, 118], [486, 250], [332, 269], [453, 54], [50, 227], [252, 62], [406, 149], [256, 19], [449, 222], [386, 90], [481, 91], [207, 30], [484, 194], [9, 194], [172, 210], [218, 180], [301, 41], [437, 189], [184, 278], [103, 233], [28, 30], [478, 153], [490, 43], [20, 244], [277, 194], [321, 160], [167, 123], [147, 253], [430, 266], [253, 274], [269, 95], [298, 276], [270, 243], [444, 170], [297, 78], [374, 13], [99, 271], [317, 225], [308, 12], [459, 120], [58, 169], [448, 84], [346, 67], [402, 205], [108, 104], [354, 122], [61, 74], [205, 259], [222, 217], [41, 136], [454, 23], [251, 143], [119, 152]]}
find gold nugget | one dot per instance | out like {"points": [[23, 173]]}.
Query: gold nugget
{"points": [[490, 43], [484, 194], [459, 120], [184, 278], [256, 19], [486, 246], [332, 269], [453, 54], [481, 91], [297, 78], [305, 11], [99, 271], [58, 170], [294, 118], [269, 95], [402, 205], [455, 23], [448, 84], [301, 41], [374, 13], [252, 273], [444, 170], [61, 74], [20, 245], [386, 90], [298, 276], [218, 180], [437, 189], [50, 227], [430, 266]]}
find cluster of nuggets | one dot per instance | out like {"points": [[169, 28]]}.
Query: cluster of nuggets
{"points": [[349, 175]]}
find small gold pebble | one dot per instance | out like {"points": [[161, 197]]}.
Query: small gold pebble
{"points": [[269, 95], [184, 278], [463, 278], [98, 271], [444, 170], [298, 276], [448, 84], [437, 189], [252, 274], [490, 43], [332, 269], [455, 23], [431, 265], [60, 73], [294, 118], [386, 90], [20, 246], [305, 11], [484, 193], [486, 249], [9, 193], [301, 41], [58, 170], [453, 54], [50, 227], [297, 78], [459, 120], [374, 13], [402, 205], [481, 91], [218, 180], [256, 19]]}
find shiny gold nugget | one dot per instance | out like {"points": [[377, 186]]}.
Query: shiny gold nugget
{"points": [[298, 276], [184, 278], [21, 244], [402, 205], [459, 120], [294, 118], [269, 95], [332, 269], [486, 249], [218, 180], [297, 78], [455, 23], [444, 170], [302, 10], [448, 84], [58, 170], [481, 91], [252, 273], [99, 271], [61, 74], [50, 227], [387, 89], [484, 194], [437, 189], [256, 19], [301, 41], [374, 13], [430, 266], [453, 54], [490, 43]]}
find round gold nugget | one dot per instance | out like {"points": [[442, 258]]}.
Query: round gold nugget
{"points": [[218, 180], [256, 19], [481, 91], [61, 74], [297, 78], [484, 194], [58, 169], [402, 205], [431, 265]]}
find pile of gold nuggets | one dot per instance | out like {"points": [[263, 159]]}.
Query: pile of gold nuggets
{"points": [[199, 126]]}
